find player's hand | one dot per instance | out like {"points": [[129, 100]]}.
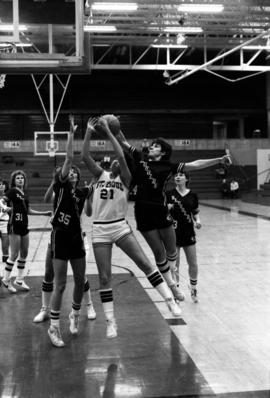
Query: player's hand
{"points": [[197, 224], [91, 124], [103, 124], [73, 126], [170, 206], [226, 159]]}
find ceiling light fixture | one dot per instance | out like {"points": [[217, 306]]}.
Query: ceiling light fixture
{"points": [[169, 46], [183, 29], [99, 28], [10, 28], [201, 8], [114, 6]]}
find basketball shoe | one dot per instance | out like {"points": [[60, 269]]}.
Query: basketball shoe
{"points": [[8, 285], [91, 313], [21, 285], [111, 331], [194, 295], [43, 314], [74, 323], [178, 295], [55, 336], [173, 307]]}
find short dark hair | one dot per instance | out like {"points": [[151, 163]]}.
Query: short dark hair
{"points": [[165, 147]]}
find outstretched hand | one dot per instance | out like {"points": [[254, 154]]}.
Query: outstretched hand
{"points": [[103, 124], [92, 122], [73, 126], [226, 159]]}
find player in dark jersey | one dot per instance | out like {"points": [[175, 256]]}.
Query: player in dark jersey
{"points": [[67, 241], [151, 175], [184, 209], [110, 204], [4, 217], [18, 231], [47, 283]]}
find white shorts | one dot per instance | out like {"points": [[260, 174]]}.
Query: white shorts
{"points": [[110, 232], [3, 227]]}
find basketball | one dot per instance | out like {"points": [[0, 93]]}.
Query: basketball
{"points": [[113, 123]]}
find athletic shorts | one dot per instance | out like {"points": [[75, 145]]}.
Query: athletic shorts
{"points": [[110, 232], [17, 229], [3, 227], [67, 245], [152, 216], [185, 236]]}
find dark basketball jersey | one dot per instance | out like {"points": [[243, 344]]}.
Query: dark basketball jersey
{"points": [[19, 203], [151, 177], [68, 204], [183, 209]]}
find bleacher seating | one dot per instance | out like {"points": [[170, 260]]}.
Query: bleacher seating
{"points": [[39, 170]]}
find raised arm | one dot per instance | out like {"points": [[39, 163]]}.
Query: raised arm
{"points": [[49, 193], [90, 163], [69, 148], [204, 163], [125, 173], [122, 141]]}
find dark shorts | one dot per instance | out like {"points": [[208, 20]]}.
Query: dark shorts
{"points": [[16, 229], [67, 245], [152, 216], [185, 238]]}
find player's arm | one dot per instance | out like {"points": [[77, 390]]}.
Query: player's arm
{"points": [[122, 141], [88, 201], [88, 207], [204, 163], [49, 193], [125, 173], [90, 163], [69, 149]]}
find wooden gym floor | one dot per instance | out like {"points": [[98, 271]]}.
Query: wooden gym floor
{"points": [[219, 348]]}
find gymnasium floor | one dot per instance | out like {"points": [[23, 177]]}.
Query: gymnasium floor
{"points": [[220, 347]]}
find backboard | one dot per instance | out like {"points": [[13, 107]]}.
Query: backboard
{"points": [[48, 36], [50, 144]]}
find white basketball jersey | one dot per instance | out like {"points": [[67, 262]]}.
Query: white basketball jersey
{"points": [[3, 214], [109, 199]]}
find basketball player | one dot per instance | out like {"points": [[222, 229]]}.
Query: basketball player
{"points": [[4, 217], [47, 284], [151, 175], [183, 205], [67, 241], [109, 203], [18, 231]]}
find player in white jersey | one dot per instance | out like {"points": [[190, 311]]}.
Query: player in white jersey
{"points": [[109, 204]]}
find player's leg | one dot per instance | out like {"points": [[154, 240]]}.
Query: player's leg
{"points": [[103, 257], [153, 238], [60, 277], [21, 261], [132, 248], [14, 242], [78, 267], [191, 256], [87, 298], [46, 288]]}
